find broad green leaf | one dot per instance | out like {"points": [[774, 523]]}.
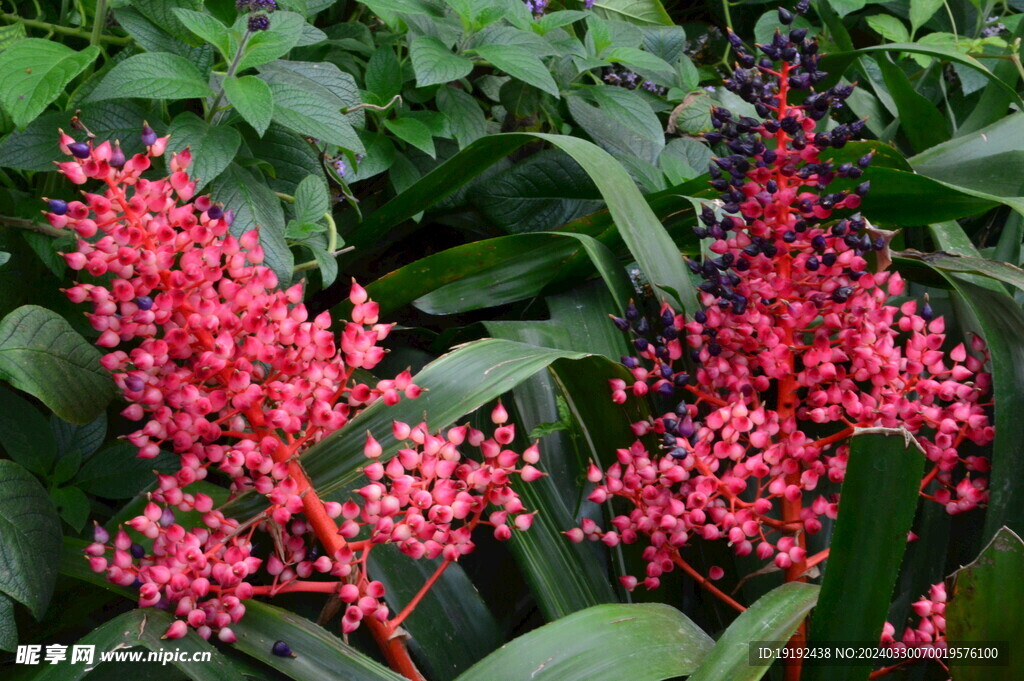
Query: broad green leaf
{"points": [[465, 118], [252, 99], [520, 63], [889, 27], [85, 439], [966, 264], [451, 628], [323, 80], [456, 384], [384, 74], [773, 617], [213, 146], [640, 642], [35, 147], [292, 158], [637, 225], [34, 72], [66, 467], [921, 11], [628, 109], [283, 34], [311, 200], [557, 19], [867, 546], [996, 98], [630, 56], [153, 38], [152, 75], [25, 435], [72, 505], [541, 192], [319, 654], [387, 8], [922, 123], [610, 134], [981, 610], [295, 108], [434, 63], [11, 34], [209, 29], [42, 355], [256, 207], [161, 13], [30, 550], [117, 472], [414, 132], [8, 625], [143, 628], [634, 11]]}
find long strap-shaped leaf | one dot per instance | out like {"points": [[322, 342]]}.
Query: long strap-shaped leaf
{"points": [[876, 510], [637, 224], [646, 642], [774, 617], [455, 384]]}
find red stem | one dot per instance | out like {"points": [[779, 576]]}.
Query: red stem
{"points": [[706, 583], [407, 610]]}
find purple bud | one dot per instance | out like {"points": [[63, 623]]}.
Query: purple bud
{"points": [[229, 217], [117, 156], [258, 22], [148, 135], [79, 149], [134, 384], [167, 517], [57, 206], [100, 534], [137, 551]]}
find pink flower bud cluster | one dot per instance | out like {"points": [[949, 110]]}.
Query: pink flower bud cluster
{"points": [[931, 627], [796, 345], [230, 373]]}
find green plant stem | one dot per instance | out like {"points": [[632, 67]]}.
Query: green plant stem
{"points": [[230, 74], [32, 226], [332, 244], [64, 30], [98, 21]]}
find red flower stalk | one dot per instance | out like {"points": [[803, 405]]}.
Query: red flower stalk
{"points": [[229, 372], [797, 345]]}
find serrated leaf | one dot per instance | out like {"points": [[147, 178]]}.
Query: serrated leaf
{"points": [[921, 11], [161, 13], [11, 34], [85, 439], [465, 118], [25, 434], [213, 146], [634, 11], [72, 505], [323, 78], [327, 264], [553, 20], [311, 200], [8, 625], [67, 466], [309, 115], [152, 38], [434, 63], [521, 64], [209, 29], [384, 74], [414, 132], [252, 99], [638, 59], [889, 27], [291, 156], [256, 207], [42, 355], [152, 75], [34, 72], [630, 110], [265, 46], [30, 550]]}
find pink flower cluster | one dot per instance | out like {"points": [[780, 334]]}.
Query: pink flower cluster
{"points": [[931, 627], [229, 372], [796, 346]]}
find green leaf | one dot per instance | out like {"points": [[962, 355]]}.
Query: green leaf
{"points": [[25, 435], [867, 546], [311, 200], [34, 72], [252, 99], [542, 192], [152, 75], [144, 627], [161, 13], [889, 27], [30, 551], [921, 11], [637, 224], [283, 34], [319, 654], [628, 109], [67, 466], [85, 439], [465, 118], [256, 206], [8, 625], [634, 11], [209, 29], [610, 134], [520, 63], [306, 114], [630, 56], [42, 355], [457, 383], [152, 38], [640, 642], [384, 74], [451, 628], [323, 80], [213, 146], [954, 263], [11, 34], [386, 8], [414, 132], [922, 123], [72, 505], [553, 20], [773, 617], [978, 611], [117, 472], [434, 63]]}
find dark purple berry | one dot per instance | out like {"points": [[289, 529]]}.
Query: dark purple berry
{"points": [[927, 313], [144, 303], [137, 551], [57, 206], [282, 649], [214, 212], [134, 384], [79, 149]]}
